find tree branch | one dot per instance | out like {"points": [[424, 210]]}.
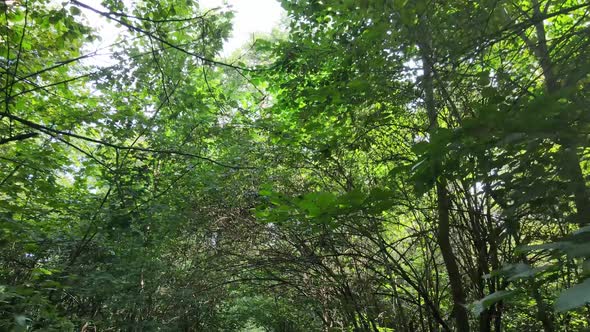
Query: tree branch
{"points": [[19, 137], [164, 41], [47, 130]]}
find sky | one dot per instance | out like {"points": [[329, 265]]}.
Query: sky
{"points": [[251, 16]]}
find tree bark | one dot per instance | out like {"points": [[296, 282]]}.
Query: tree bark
{"points": [[443, 205], [572, 170]]}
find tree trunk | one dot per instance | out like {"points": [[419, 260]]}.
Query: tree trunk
{"points": [[572, 170], [443, 205]]}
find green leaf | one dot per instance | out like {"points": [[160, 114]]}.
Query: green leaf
{"points": [[543, 246], [586, 267], [488, 92], [582, 230], [265, 192], [521, 271], [75, 11], [21, 320], [573, 297], [478, 307], [484, 78], [576, 249]]}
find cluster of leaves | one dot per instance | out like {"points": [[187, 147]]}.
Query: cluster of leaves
{"points": [[384, 166]]}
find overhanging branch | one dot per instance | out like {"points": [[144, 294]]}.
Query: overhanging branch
{"points": [[52, 132]]}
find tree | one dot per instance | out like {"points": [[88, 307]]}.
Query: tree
{"points": [[380, 166]]}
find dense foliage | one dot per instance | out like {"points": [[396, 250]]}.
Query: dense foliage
{"points": [[377, 166]]}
